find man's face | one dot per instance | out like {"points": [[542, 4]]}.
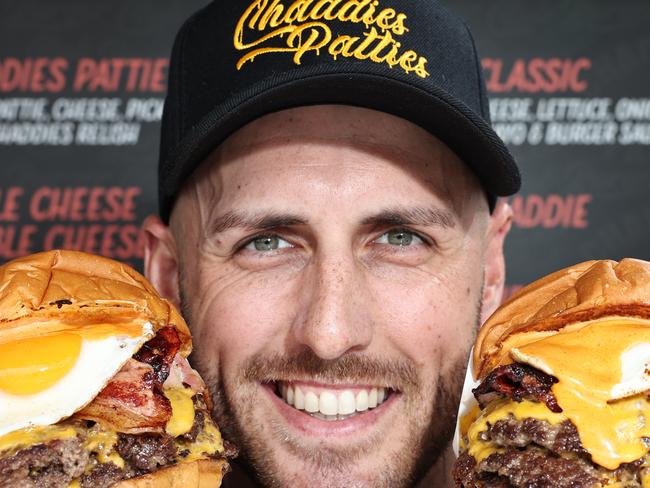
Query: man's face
{"points": [[332, 262]]}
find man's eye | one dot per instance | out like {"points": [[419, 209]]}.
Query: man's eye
{"points": [[267, 243], [399, 237]]}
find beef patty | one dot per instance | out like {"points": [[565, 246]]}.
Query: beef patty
{"points": [[55, 464], [537, 454]]}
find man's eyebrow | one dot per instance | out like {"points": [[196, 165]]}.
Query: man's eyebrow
{"points": [[431, 217], [254, 220]]}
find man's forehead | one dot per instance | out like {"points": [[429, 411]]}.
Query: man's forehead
{"points": [[339, 123], [338, 140], [349, 134]]}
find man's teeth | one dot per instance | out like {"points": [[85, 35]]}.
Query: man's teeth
{"points": [[332, 404]]}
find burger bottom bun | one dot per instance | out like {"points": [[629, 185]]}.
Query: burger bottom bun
{"points": [[204, 473]]}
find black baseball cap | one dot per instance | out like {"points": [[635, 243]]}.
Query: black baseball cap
{"points": [[235, 61]]}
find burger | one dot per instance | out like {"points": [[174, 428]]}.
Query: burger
{"points": [[95, 386], [563, 377]]}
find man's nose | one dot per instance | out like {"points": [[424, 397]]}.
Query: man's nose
{"points": [[334, 318]]}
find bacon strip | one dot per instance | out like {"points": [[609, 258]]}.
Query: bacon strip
{"points": [[518, 381], [181, 374], [159, 352], [131, 402]]}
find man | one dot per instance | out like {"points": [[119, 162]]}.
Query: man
{"points": [[329, 225]]}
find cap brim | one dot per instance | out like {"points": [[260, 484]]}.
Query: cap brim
{"points": [[468, 135]]}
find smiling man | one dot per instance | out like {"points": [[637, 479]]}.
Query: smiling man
{"points": [[329, 225]]}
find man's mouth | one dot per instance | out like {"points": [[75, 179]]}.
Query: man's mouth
{"points": [[331, 403]]}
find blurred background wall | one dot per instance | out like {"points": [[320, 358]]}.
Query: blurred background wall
{"points": [[82, 85]]}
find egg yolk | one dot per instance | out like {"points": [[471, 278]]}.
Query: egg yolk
{"points": [[34, 364]]}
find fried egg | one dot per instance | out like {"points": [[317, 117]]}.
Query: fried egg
{"points": [[47, 377]]}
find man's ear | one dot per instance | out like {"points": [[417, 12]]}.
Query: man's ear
{"points": [[495, 272], [161, 259]]}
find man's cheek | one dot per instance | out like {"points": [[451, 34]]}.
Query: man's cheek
{"points": [[247, 315], [409, 311], [425, 323]]}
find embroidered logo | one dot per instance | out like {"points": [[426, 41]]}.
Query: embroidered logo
{"points": [[309, 26]]}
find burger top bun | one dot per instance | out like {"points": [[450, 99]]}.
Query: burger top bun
{"points": [[586, 291], [204, 473], [82, 288]]}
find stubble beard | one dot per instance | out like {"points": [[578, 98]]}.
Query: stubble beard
{"points": [[424, 437], [428, 423]]}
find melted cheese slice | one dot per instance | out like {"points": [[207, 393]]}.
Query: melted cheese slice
{"points": [[182, 418], [589, 360], [502, 409], [36, 435], [102, 442], [208, 443]]}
